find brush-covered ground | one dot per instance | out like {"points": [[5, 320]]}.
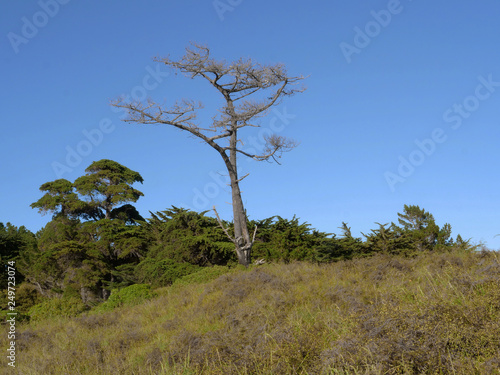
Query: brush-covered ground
{"points": [[437, 313]]}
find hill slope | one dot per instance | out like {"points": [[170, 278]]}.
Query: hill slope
{"points": [[436, 313]]}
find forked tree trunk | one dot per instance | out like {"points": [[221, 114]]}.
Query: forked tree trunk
{"points": [[243, 243]]}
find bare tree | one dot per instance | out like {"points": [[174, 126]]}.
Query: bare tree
{"points": [[237, 82]]}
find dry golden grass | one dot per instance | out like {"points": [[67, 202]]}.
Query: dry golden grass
{"points": [[438, 313]]}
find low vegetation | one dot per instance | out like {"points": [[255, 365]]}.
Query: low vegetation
{"points": [[435, 313]]}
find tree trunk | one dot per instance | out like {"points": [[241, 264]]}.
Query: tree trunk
{"points": [[243, 243]]}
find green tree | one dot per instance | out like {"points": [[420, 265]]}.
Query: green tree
{"points": [[381, 239], [120, 246], [57, 261], [106, 185], [91, 258], [419, 226], [60, 199], [465, 244], [415, 218], [13, 241], [94, 255], [351, 245], [444, 238]]}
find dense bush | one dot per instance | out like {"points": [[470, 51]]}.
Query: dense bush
{"points": [[344, 247], [204, 275], [162, 272], [279, 239], [55, 308], [128, 296], [188, 237]]}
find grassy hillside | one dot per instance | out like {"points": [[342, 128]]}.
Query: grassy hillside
{"points": [[436, 313]]}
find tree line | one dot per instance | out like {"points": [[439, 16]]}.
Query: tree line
{"points": [[97, 241]]}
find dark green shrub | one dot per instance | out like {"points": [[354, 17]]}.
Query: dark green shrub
{"points": [[286, 240], [27, 296], [188, 237], [162, 272]]}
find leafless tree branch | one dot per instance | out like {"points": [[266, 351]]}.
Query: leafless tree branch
{"points": [[222, 226], [241, 178]]}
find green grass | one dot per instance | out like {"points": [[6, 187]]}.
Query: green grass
{"points": [[438, 313]]}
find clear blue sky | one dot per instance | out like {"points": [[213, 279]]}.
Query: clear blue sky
{"points": [[402, 106]]}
